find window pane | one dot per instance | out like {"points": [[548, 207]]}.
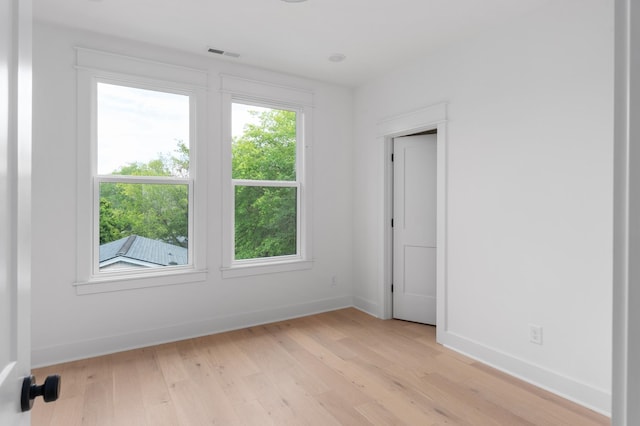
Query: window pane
{"points": [[264, 143], [142, 132], [143, 225], [265, 221]]}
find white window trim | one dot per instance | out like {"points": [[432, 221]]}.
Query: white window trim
{"points": [[240, 90], [92, 67]]}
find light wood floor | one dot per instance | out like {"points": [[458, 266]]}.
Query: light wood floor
{"points": [[337, 368]]}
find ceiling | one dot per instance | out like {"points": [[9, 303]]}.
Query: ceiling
{"points": [[295, 38]]}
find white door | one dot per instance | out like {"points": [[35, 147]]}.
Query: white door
{"points": [[15, 160], [414, 228]]}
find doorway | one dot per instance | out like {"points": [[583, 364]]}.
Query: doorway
{"points": [[429, 120]]}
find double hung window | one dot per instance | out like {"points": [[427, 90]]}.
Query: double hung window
{"points": [[141, 194], [143, 186], [265, 185], [268, 188]]}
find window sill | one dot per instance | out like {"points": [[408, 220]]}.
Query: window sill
{"points": [[246, 270], [130, 282]]}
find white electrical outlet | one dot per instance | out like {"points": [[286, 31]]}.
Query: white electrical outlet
{"points": [[334, 281], [535, 334]]}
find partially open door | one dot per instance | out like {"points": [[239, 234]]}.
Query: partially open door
{"points": [[415, 228], [15, 210]]}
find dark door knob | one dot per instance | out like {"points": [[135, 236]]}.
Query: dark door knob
{"points": [[49, 390]]}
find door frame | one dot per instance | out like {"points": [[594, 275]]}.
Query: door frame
{"points": [[626, 225], [433, 117]]}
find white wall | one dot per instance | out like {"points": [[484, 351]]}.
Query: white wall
{"points": [[67, 326], [530, 137]]}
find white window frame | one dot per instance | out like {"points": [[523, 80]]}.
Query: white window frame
{"points": [[94, 67], [255, 93]]}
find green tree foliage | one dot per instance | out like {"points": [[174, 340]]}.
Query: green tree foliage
{"points": [[265, 217], [156, 211], [109, 224]]}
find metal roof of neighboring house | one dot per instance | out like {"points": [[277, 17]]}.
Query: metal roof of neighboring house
{"points": [[144, 250]]}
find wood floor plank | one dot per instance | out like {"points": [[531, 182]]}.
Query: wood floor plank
{"points": [[223, 353], [98, 407], [378, 415], [307, 409], [365, 353], [279, 332], [170, 363], [341, 409], [251, 412], [210, 391], [261, 347], [334, 380], [276, 406], [194, 406], [128, 404], [336, 368], [159, 409]]}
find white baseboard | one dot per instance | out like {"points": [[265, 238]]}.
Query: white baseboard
{"points": [[72, 351], [596, 399], [366, 306]]}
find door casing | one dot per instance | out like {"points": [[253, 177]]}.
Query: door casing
{"points": [[430, 118]]}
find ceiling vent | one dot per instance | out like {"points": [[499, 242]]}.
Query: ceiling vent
{"points": [[223, 53]]}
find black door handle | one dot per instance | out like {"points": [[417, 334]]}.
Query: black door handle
{"points": [[49, 391]]}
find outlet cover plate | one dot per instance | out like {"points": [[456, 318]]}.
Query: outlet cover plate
{"points": [[535, 334]]}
